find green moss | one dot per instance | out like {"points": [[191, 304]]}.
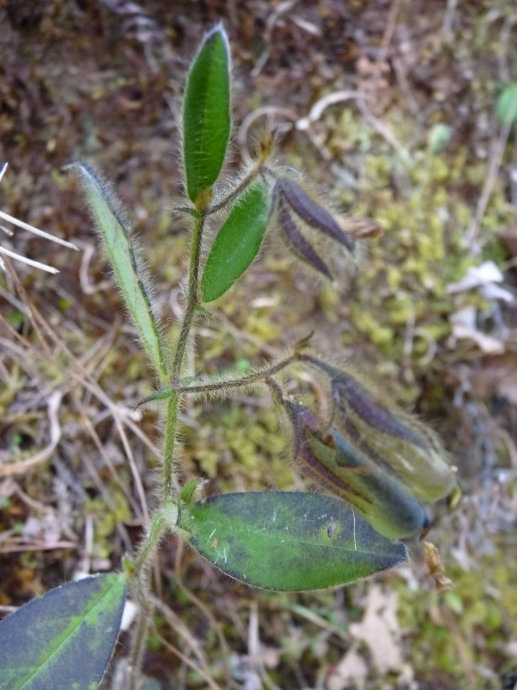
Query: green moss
{"points": [[459, 630]]}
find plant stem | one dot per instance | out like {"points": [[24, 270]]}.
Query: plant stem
{"points": [[240, 381], [160, 524], [138, 648], [169, 480], [142, 593], [245, 182], [193, 280]]}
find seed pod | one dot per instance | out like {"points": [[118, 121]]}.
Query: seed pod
{"points": [[297, 242], [313, 214], [404, 446], [333, 463]]}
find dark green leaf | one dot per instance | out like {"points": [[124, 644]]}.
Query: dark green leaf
{"points": [[206, 113], [287, 541], [237, 242], [64, 639]]}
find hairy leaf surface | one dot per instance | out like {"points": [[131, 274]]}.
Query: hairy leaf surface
{"points": [[206, 113], [287, 541], [237, 242], [63, 639], [122, 254]]}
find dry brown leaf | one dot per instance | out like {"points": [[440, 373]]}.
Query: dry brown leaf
{"points": [[379, 629], [351, 671], [434, 567]]}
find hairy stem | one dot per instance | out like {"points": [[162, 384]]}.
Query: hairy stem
{"points": [[240, 381], [138, 644], [192, 297], [160, 524], [142, 593], [169, 481], [245, 182]]}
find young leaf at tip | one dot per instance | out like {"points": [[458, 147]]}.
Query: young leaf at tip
{"points": [[287, 541], [65, 638], [206, 113], [237, 243], [123, 258]]}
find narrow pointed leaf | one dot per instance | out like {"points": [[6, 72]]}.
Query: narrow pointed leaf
{"points": [[287, 541], [63, 639], [237, 242], [206, 113], [122, 253]]}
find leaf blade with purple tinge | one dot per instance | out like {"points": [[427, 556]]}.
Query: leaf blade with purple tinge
{"points": [[287, 541], [64, 639]]}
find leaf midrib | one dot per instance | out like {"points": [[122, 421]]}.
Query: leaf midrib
{"points": [[62, 639]]}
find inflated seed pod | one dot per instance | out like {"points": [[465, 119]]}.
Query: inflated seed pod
{"points": [[381, 499], [402, 445], [334, 464]]}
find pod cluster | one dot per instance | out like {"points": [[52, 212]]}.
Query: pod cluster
{"points": [[293, 203], [379, 459]]}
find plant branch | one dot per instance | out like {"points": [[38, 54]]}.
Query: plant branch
{"points": [[238, 382], [245, 182]]}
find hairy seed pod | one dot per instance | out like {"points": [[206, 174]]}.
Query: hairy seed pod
{"points": [[297, 242], [405, 447], [334, 464], [313, 214]]}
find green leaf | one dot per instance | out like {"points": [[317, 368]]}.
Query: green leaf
{"points": [[237, 242], [287, 541], [506, 107], [64, 639], [206, 113], [125, 262]]}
